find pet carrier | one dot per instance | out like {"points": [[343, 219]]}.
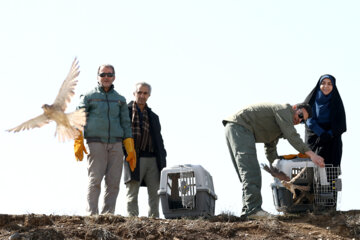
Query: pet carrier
{"points": [[186, 191], [323, 186]]}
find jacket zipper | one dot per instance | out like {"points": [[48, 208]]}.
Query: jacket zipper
{"points": [[108, 114]]}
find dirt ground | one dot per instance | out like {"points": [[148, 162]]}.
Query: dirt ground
{"points": [[335, 225]]}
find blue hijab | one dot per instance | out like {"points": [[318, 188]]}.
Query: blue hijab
{"points": [[322, 102]]}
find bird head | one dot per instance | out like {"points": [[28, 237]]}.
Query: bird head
{"points": [[46, 107]]}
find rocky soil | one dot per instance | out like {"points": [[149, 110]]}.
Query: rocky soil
{"points": [[334, 225]]}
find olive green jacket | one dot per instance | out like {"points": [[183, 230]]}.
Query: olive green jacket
{"points": [[269, 122]]}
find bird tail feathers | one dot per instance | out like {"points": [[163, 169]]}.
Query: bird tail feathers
{"points": [[77, 121], [66, 133]]}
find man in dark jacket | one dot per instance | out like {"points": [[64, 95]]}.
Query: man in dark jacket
{"points": [[150, 151]]}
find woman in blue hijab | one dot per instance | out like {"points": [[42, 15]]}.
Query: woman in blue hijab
{"points": [[323, 131]]}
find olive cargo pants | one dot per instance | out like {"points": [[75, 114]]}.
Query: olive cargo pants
{"points": [[241, 144]]}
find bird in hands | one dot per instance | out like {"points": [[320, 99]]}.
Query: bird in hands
{"points": [[68, 125]]}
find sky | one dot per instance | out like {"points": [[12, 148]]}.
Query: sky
{"points": [[205, 61]]}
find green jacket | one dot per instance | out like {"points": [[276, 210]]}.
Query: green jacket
{"points": [[269, 122], [107, 118]]}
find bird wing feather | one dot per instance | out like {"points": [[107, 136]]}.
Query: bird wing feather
{"points": [[38, 121], [298, 175], [67, 88], [275, 172]]}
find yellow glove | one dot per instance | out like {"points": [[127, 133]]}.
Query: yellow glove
{"points": [[130, 149], [79, 147]]}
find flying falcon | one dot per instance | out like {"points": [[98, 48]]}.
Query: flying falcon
{"points": [[67, 124], [285, 180]]}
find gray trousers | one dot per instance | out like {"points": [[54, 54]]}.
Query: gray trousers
{"points": [[241, 144], [104, 160], [149, 172]]}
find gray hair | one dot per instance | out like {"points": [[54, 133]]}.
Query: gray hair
{"points": [[143, 84], [107, 66]]}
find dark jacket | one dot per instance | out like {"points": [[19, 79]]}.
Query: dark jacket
{"points": [[331, 150], [158, 144]]}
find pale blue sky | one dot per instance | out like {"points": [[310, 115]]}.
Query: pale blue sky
{"points": [[205, 61]]}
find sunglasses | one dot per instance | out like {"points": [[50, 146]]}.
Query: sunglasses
{"points": [[106, 74], [301, 116]]}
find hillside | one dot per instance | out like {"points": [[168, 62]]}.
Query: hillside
{"points": [[336, 225]]}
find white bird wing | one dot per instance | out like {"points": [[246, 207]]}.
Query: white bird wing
{"points": [[67, 88], [38, 121]]}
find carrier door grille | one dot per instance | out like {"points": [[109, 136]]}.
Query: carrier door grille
{"points": [[181, 190]]}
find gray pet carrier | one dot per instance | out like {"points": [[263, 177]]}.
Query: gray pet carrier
{"points": [[324, 185], [186, 191]]}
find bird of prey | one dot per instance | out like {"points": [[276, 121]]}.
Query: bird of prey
{"points": [[285, 180], [67, 124]]}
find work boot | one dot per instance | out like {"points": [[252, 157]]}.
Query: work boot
{"points": [[261, 214]]}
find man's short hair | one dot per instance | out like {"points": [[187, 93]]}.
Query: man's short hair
{"points": [[306, 106], [143, 84], [107, 66]]}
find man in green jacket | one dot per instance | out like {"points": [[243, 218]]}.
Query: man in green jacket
{"points": [[107, 129], [263, 123]]}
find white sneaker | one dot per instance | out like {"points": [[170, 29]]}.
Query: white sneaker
{"points": [[260, 214]]}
